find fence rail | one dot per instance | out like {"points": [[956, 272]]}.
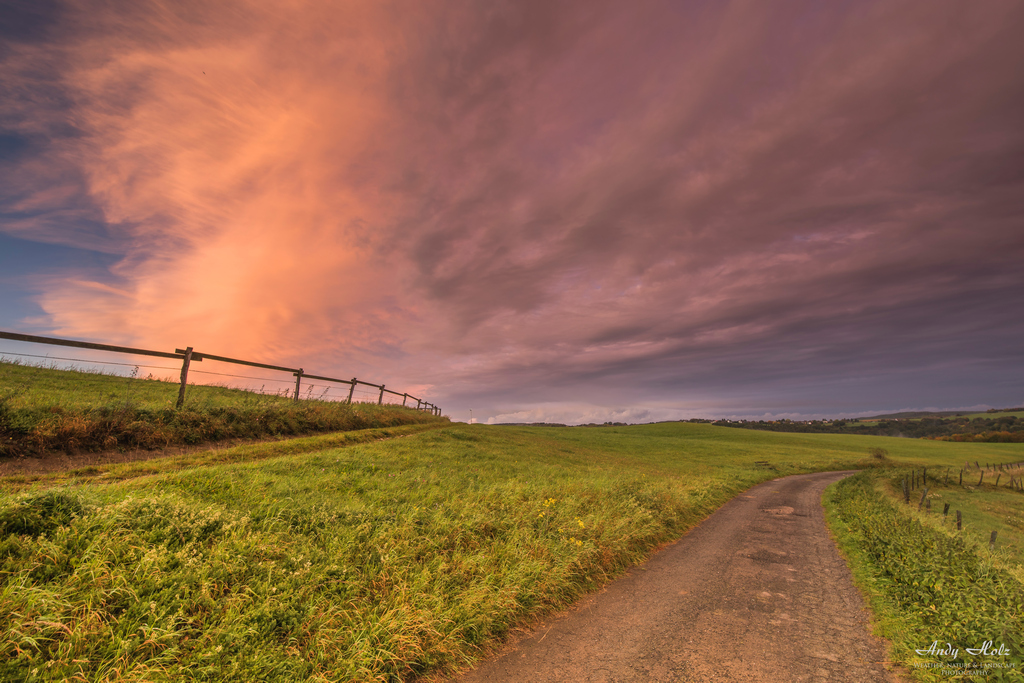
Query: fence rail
{"points": [[187, 356]]}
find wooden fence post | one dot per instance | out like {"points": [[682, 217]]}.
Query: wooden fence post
{"points": [[981, 478], [298, 381], [924, 476], [924, 493], [184, 377], [351, 389], [961, 477], [945, 510], [992, 541], [380, 399], [405, 397], [959, 521]]}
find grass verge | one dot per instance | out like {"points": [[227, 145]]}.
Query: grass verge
{"points": [[929, 584]]}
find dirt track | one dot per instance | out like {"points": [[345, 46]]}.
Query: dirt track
{"points": [[757, 592]]}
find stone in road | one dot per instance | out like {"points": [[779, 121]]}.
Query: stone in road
{"points": [[756, 592]]}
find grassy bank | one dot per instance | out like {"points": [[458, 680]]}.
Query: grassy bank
{"points": [[984, 508], [44, 410], [930, 583], [378, 561]]}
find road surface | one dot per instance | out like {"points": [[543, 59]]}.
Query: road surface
{"points": [[756, 593]]}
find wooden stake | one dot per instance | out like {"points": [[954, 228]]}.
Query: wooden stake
{"points": [[184, 377]]}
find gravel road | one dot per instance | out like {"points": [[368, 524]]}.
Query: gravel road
{"points": [[755, 593]]}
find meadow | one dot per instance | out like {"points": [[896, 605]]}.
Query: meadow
{"points": [[46, 410], [384, 560]]}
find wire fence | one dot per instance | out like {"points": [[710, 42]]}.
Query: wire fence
{"points": [[300, 386]]}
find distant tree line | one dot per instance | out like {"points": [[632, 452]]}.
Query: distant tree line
{"points": [[1006, 428]]}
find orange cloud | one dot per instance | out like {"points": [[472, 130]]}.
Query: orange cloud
{"points": [[230, 158]]}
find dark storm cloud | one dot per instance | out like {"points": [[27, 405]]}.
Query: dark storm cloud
{"points": [[844, 183]]}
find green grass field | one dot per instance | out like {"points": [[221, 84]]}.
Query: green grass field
{"points": [[377, 561], [31, 386], [43, 410]]}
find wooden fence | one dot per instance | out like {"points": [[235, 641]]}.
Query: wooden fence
{"points": [[187, 356], [914, 481]]}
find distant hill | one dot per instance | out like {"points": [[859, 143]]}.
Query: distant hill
{"points": [[529, 424], [910, 415]]}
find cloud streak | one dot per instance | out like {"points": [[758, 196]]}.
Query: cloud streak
{"points": [[521, 204]]}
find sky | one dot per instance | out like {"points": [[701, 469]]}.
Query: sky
{"points": [[577, 211]]}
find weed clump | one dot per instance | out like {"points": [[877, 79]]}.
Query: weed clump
{"points": [[40, 514]]}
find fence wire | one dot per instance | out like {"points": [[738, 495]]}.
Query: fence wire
{"points": [[308, 389], [86, 360]]}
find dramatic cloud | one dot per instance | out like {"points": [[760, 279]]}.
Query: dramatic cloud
{"points": [[575, 210]]}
